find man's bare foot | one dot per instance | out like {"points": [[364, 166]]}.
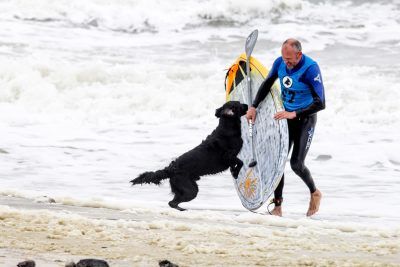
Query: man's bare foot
{"points": [[315, 200], [277, 211]]}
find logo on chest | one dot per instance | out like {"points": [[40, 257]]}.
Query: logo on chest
{"points": [[287, 81]]}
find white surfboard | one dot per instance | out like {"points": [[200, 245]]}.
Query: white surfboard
{"points": [[256, 184]]}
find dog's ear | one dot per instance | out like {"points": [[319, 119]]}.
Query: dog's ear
{"points": [[218, 112]]}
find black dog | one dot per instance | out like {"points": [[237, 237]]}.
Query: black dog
{"points": [[215, 154]]}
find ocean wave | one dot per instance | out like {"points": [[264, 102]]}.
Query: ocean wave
{"points": [[130, 86], [93, 90], [321, 22], [99, 90], [143, 16]]}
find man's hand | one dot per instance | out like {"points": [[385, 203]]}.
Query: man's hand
{"points": [[284, 115], [251, 114]]}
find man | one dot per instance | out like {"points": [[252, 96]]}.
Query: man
{"points": [[302, 93]]}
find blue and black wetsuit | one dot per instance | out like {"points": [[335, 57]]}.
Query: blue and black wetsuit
{"points": [[302, 91]]}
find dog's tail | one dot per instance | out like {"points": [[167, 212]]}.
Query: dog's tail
{"points": [[151, 177]]}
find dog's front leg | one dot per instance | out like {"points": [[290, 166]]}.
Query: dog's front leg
{"points": [[235, 164], [235, 167]]}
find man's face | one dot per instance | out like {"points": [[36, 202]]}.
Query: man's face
{"points": [[290, 56]]}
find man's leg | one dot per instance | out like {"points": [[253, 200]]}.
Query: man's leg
{"points": [[278, 198], [278, 193], [301, 144]]}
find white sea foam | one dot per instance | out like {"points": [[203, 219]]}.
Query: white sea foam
{"points": [[262, 239], [317, 23]]}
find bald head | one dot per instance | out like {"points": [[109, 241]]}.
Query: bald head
{"points": [[293, 43], [291, 52]]}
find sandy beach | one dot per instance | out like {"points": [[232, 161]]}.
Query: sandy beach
{"points": [[54, 233]]}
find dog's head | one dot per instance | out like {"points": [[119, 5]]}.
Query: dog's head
{"points": [[233, 109]]}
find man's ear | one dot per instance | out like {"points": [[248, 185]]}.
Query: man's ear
{"points": [[299, 54], [218, 112]]}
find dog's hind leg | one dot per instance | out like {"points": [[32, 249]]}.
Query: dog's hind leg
{"points": [[184, 189], [191, 189], [176, 190], [175, 201]]}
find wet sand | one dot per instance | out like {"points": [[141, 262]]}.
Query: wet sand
{"points": [[53, 234]]}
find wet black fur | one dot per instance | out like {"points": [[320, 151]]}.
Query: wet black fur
{"points": [[215, 154]]}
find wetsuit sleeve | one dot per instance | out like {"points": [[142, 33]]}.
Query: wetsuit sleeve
{"points": [[265, 87], [313, 78]]}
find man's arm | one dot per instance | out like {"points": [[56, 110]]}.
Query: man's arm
{"points": [[313, 78], [265, 87]]}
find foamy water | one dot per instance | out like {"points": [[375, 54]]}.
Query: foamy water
{"points": [[92, 94]]}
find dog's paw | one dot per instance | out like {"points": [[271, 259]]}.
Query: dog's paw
{"points": [[179, 208], [174, 205], [234, 172], [235, 169]]}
